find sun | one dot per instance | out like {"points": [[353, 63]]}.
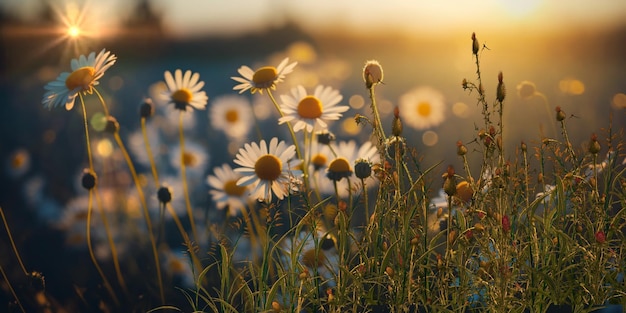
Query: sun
{"points": [[73, 31]]}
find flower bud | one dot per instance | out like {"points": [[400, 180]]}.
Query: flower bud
{"points": [[362, 168], [372, 73], [475, 45], [594, 145], [146, 109], [506, 223], [396, 127], [560, 115], [461, 150], [501, 90], [523, 147], [164, 194], [600, 237], [325, 138], [449, 185], [89, 179], [111, 126]]}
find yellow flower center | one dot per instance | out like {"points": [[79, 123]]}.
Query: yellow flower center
{"points": [[319, 160], [264, 75], [310, 107], [424, 109], [82, 77], [339, 165], [232, 116], [182, 95], [268, 167], [189, 159], [232, 189]]}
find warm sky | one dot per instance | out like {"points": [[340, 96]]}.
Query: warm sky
{"points": [[223, 17]]}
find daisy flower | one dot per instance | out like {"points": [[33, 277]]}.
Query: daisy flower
{"points": [[195, 157], [84, 77], [311, 112], [226, 192], [232, 114], [422, 108], [264, 78], [184, 90], [267, 168], [341, 166]]}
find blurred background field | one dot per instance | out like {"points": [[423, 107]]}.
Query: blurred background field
{"points": [[572, 52]]}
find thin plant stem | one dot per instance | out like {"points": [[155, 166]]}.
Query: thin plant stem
{"points": [[114, 256], [11, 289], [90, 205], [17, 254], [107, 285], [144, 132], [183, 172], [142, 199]]}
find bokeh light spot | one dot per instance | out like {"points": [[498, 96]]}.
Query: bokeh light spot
{"points": [[302, 52], [461, 109], [572, 86], [356, 102], [104, 147], [619, 101], [116, 83], [430, 138], [350, 127], [98, 121]]}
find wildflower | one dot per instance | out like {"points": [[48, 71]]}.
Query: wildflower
{"points": [[232, 114], [195, 158], [146, 109], [267, 168], [84, 77], [396, 126], [475, 45], [89, 179], [338, 169], [464, 192], [449, 184], [372, 73], [325, 138], [506, 223], [264, 78], [461, 150], [111, 125], [560, 115], [600, 237], [311, 112], [594, 145], [164, 194], [501, 89], [422, 107], [362, 168], [184, 90], [340, 166], [226, 192]]}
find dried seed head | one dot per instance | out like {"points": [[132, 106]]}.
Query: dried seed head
{"points": [[164, 194], [461, 150], [475, 45], [146, 109], [594, 145], [89, 179], [560, 115], [501, 90], [111, 126]]}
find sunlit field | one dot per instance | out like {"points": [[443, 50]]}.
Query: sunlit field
{"points": [[159, 164]]}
